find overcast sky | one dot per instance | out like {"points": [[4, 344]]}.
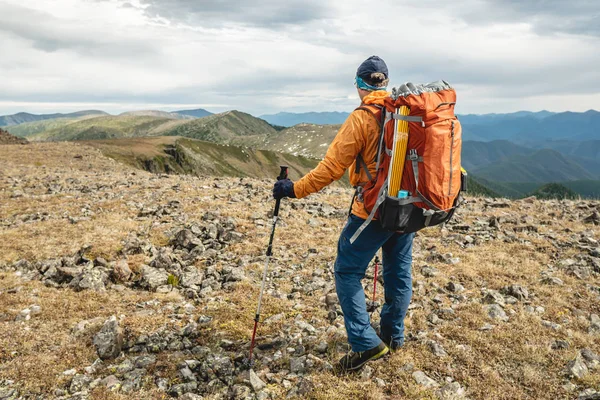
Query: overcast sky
{"points": [[267, 56]]}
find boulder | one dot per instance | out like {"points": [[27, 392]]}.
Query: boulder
{"points": [[109, 340]]}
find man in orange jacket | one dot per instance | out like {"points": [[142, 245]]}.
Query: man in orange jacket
{"points": [[358, 140]]}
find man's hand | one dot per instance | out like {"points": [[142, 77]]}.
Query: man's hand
{"points": [[283, 188]]}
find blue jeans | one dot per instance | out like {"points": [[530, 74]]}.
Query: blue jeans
{"points": [[350, 267]]}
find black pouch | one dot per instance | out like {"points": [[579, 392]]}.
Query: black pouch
{"points": [[394, 215], [407, 218]]}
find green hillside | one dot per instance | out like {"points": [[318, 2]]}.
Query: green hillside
{"points": [[182, 155], [542, 166], [554, 191], [23, 117], [586, 188], [231, 127], [36, 127], [304, 139], [475, 188], [109, 127]]}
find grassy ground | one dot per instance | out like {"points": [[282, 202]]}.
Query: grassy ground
{"points": [[514, 360]]}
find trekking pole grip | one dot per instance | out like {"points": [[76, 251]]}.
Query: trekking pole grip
{"points": [[283, 174]]}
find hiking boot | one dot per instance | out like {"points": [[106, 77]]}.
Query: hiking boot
{"points": [[354, 361], [393, 346]]}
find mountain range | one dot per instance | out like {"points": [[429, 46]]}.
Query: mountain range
{"points": [[508, 153]]}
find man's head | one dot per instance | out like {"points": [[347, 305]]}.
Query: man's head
{"points": [[371, 75]]}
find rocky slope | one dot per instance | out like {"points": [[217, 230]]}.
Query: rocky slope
{"points": [[7, 138], [117, 283]]}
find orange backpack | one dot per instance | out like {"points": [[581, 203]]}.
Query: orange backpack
{"points": [[432, 180]]}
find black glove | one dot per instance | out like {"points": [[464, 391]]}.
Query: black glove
{"points": [[283, 188]]}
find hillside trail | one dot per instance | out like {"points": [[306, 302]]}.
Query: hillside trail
{"points": [[116, 283]]}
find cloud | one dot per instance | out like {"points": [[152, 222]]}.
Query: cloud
{"points": [[270, 13], [266, 56], [547, 17]]}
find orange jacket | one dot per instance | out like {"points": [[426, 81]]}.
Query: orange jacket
{"points": [[358, 135]]}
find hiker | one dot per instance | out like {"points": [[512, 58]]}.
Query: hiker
{"points": [[355, 146]]}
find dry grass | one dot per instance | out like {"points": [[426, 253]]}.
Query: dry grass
{"points": [[512, 361]]}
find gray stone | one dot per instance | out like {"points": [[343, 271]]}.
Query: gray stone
{"points": [[191, 396], [577, 368], [94, 279], [594, 323], [121, 271], [366, 373], [493, 297], [297, 365], [424, 380], [111, 382], [79, 383], [109, 340], [152, 278], [239, 392], [429, 272], [451, 391], [517, 291], [455, 287], [494, 311], [436, 349], [183, 388], [256, 383]]}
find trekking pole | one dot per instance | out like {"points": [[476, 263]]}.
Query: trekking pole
{"points": [[373, 305], [283, 173], [375, 279]]}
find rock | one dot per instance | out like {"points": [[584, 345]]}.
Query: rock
{"points": [[186, 239], [366, 373], [594, 323], [424, 380], [109, 340], [80, 382], [239, 392], [594, 218], [494, 311], [94, 279], [455, 287], [451, 391], [297, 365], [437, 349], [111, 382], [183, 388], [429, 272], [577, 368], [559, 345], [121, 271], [152, 278], [331, 299], [516, 291], [589, 356], [589, 394], [256, 383], [493, 297], [191, 396], [552, 280], [551, 325]]}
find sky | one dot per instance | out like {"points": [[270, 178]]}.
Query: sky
{"points": [[267, 56]]}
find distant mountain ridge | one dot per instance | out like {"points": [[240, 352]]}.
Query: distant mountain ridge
{"points": [[23, 117], [157, 113], [198, 113], [288, 119]]}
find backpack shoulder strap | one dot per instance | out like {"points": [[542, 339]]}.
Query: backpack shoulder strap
{"points": [[378, 112], [375, 110]]}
